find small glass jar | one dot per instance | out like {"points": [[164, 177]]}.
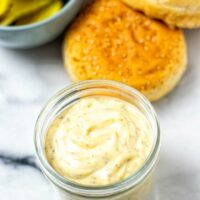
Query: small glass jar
{"points": [[135, 187]]}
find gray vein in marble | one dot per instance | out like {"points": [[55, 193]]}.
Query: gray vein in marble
{"points": [[28, 161]]}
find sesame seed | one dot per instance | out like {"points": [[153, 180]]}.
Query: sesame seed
{"points": [[113, 54], [162, 56], [147, 23], [123, 80], [139, 71], [97, 67], [91, 41], [124, 55], [153, 39], [127, 25], [158, 67], [141, 41], [120, 73], [148, 82], [148, 37], [85, 51], [78, 38]]}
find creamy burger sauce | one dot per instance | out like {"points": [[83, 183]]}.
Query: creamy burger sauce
{"points": [[98, 141]]}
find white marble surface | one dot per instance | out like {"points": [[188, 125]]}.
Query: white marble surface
{"points": [[29, 77]]}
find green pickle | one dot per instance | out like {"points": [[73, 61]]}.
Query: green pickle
{"points": [[42, 14], [26, 12], [4, 7]]}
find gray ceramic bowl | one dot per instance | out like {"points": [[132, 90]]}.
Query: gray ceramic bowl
{"points": [[37, 34]]}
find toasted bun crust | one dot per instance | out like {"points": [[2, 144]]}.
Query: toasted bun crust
{"points": [[180, 13], [112, 41]]}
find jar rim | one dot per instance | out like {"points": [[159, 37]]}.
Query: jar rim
{"points": [[93, 191]]}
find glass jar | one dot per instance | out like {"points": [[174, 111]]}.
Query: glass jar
{"points": [[135, 187]]}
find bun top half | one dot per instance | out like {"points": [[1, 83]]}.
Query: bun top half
{"points": [[109, 40], [180, 13]]}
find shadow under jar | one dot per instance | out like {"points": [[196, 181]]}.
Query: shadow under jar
{"points": [[136, 186]]}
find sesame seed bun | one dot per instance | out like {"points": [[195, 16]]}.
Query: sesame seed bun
{"points": [[112, 41], [180, 13]]}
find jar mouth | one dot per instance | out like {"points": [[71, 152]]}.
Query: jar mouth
{"points": [[92, 191]]}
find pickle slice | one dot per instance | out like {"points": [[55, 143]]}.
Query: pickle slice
{"points": [[21, 8], [42, 14], [4, 6]]}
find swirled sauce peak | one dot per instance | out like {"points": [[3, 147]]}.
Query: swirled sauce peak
{"points": [[98, 141]]}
